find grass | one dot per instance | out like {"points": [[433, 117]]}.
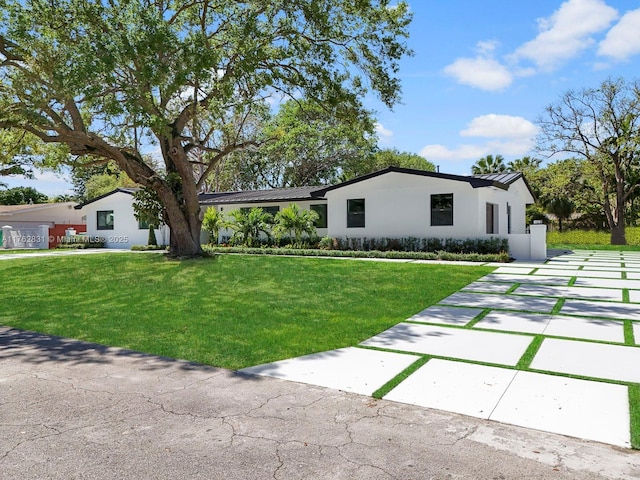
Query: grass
{"points": [[230, 311], [592, 240]]}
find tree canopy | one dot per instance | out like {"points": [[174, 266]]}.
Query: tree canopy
{"points": [[600, 125], [489, 164], [21, 196], [109, 79]]}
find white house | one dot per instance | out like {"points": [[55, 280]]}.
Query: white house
{"points": [[271, 201], [111, 216], [398, 202], [391, 203]]}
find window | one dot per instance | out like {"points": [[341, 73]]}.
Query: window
{"points": [[105, 219], [508, 218], [142, 225], [442, 209], [321, 210], [271, 210], [492, 218], [355, 213]]}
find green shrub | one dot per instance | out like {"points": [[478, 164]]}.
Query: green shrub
{"points": [[502, 257], [145, 248], [590, 237]]}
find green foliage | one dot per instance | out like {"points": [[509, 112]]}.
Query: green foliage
{"points": [[106, 79], [104, 183], [413, 244], [81, 241], [295, 222], [151, 240], [502, 257], [147, 248], [600, 125], [21, 196], [212, 222], [489, 164], [248, 225], [147, 208], [384, 158], [590, 237]]}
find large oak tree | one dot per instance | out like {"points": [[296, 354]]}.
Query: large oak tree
{"points": [[108, 78], [602, 126]]}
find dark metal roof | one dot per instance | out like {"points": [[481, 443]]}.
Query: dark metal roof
{"points": [[259, 196], [506, 178], [473, 181]]}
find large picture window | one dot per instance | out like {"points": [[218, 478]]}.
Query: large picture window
{"points": [[355, 213], [442, 209], [105, 220], [321, 210]]}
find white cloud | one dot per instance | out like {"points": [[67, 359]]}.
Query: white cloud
{"points": [[623, 40], [499, 126], [503, 134], [382, 132], [566, 33], [481, 72]]}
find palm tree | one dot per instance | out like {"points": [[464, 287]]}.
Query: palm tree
{"points": [[212, 222], [524, 165], [561, 207], [489, 164], [295, 222], [247, 225]]}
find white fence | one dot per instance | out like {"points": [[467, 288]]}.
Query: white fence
{"points": [[37, 237]]}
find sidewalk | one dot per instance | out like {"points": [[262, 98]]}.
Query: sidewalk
{"points": [[69, 409]]}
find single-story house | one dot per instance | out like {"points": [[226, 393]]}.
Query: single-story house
{"points": [[111, 216], [393, 203], [37, 225]]}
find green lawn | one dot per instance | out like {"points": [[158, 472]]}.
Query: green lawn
{"points": [[229, 311]]}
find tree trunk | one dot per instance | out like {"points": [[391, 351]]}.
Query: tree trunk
{"points": [[618, 236]]}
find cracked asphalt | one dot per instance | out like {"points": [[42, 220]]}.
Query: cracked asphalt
{"points": [[74, 410]]}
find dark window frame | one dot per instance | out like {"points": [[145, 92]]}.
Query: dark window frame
{"points": [[104, 225], [356, 213], [323, 218], [442, 209]]}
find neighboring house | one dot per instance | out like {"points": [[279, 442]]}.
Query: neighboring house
{"points": [[392, 203], [111, 216], [34, 215], [38, 225]]}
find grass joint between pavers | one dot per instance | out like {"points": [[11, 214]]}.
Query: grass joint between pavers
{"points": [[395, 381], [530, 353], [634, 411]]}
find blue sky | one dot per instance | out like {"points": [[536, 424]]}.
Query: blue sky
{"points": [[484, 70]]}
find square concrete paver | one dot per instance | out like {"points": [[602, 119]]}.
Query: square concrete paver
{"points": [[505, 302], [515, 322], [597, 360], [488, 287], [636, 332], [578, 273], [571, 292], [612, 310], [579, 408], [514, 269], [607, 283], [633, 275], [634, 296], [490, 347], [446, 315], [586, 328], [448, 385], [356, 370], [538, 279]]}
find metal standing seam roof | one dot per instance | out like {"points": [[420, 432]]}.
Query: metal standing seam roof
{"points": [[506, 178], [260, 196]]}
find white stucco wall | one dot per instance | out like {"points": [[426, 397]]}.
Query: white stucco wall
{"points": [[399, 205], [303, 204], [125, 231]]}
